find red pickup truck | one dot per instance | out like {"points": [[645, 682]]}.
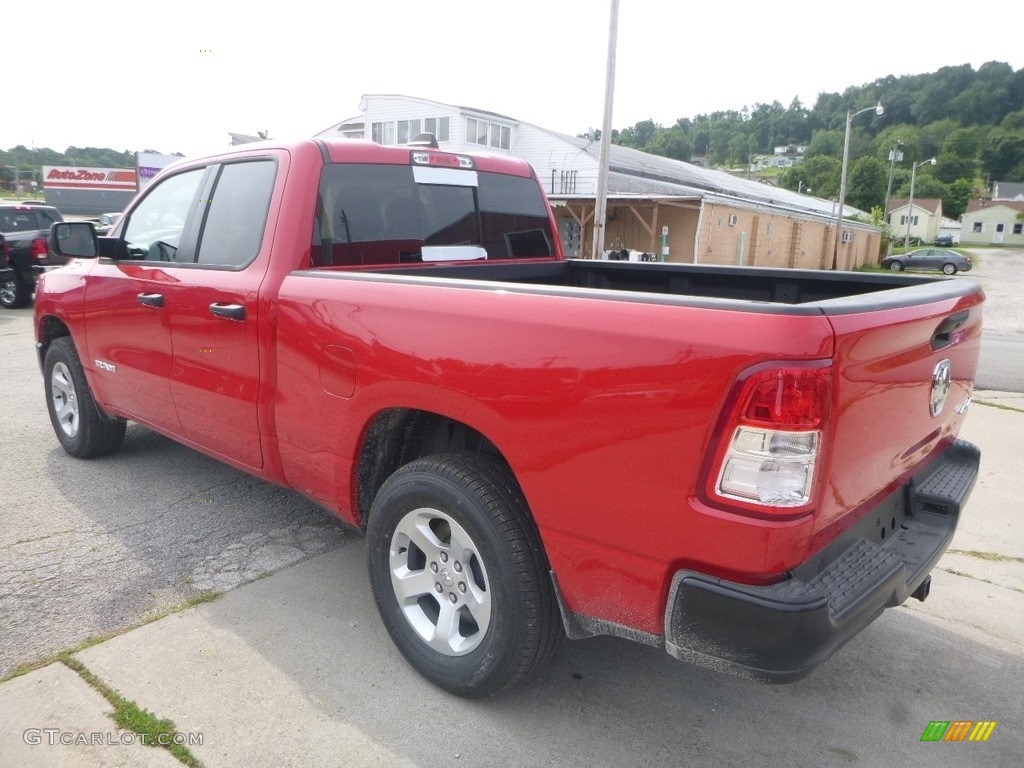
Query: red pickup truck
{"points": [[742, 466]]}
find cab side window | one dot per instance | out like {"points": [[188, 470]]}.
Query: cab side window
{"points": [[236, 214], [154, 231]]}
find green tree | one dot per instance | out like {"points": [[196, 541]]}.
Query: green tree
{"points": [[866, 183], [964, 143], [932, 101], [1014, 121], [638, 136], [907, 137], [955, 201], [673, 142], [929, 187], [820, 173], [933, 136], [950, 168], [1003, 154], [828, 143]]}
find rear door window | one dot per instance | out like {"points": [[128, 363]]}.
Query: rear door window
{"points": [[236, 214], [389, 214], [17, 221]]}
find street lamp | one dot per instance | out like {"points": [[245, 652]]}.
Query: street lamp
{"points": [[910, 205], [850, 114]]}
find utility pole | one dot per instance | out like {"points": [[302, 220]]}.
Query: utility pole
{"points": [[910, 206], [894, 155], [850, 114], [601, 206]]}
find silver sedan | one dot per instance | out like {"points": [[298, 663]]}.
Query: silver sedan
{"points": [[950, 262]]}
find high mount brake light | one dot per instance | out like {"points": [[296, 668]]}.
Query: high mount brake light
{"points": [[772, 441], [442, 160]]}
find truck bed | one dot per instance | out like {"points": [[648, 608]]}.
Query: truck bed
{"points": [[785, 291]]}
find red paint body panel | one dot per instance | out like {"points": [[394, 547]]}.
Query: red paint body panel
{"points": [[605, 408], [882, 392]]}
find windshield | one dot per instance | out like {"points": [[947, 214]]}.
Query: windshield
{"points": [[390, 214]]}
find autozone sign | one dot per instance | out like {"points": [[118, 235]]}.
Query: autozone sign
{"points": [[69, 177]]}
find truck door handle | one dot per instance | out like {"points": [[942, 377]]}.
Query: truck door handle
{"points": [[230, 311], [942, 336], [151, 299]]}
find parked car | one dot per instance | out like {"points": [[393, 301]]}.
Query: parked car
{"points": [[950, 262], [106, 222], [945, 239], [24, 228]]}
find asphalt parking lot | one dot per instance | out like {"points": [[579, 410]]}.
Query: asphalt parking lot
{"points": [[295, 668]]}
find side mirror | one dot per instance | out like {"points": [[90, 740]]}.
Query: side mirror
{"points": [[74, 239]]}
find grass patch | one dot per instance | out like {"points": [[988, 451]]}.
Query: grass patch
{"points": [[955, 572], [36, 538], [24, 669], [1000, 406], [156, 731]]}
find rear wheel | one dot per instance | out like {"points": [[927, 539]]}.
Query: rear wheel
{"points": [[80, 427], [459, 576], [949, 269], [15, 293], [896, 266]]}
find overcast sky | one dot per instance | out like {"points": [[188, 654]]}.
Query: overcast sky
{"points": [[178, 76]]}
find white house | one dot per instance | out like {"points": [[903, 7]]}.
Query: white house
{"points": [[997, 222], [925, 219]]}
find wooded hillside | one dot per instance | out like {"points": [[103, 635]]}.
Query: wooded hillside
{"points": [[971, 121]]}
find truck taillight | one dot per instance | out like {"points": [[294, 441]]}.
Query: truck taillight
{"points": [[771, 440], [39, 249]]}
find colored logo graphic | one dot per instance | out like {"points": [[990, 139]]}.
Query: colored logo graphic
{"points": [[958, 730]]}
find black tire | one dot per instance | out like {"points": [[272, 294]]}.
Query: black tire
{"points": [[15, 293], [470, 522], [80, 427], [896, 266], [949, 269]]}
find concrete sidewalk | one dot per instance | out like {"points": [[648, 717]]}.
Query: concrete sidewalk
{"points": [[296, 669]]}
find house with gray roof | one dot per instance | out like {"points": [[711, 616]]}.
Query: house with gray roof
{"points": [[1008, 190]]}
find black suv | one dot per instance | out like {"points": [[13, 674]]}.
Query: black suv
{"points": [[24, 229]]}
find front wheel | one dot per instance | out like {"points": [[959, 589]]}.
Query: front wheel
{"points": [[949, 269], [459, 576], [15, 293], [896, 266], [82, 430]]}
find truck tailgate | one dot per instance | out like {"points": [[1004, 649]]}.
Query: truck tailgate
{"points": [[891, 367]]}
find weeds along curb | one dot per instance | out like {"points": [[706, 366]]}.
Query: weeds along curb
{"points": [[24, 669], [1000, 406], [129, 716]]}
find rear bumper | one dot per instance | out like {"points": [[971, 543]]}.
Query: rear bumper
{"points": [[779, 633], [28, 274]]}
